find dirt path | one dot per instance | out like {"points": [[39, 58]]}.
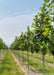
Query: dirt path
{"points": [[20, 67], [30, 71], [50, 64]]}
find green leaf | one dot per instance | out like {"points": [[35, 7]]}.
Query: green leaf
{"points": [[44, 4], [48, 5], [46, 1]]}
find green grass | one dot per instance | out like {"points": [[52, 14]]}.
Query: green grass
{"points": [[37, 65], [9, 67]]}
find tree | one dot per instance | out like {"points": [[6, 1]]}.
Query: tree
{"points": [[3, 45], [51, 43], [31, 42], [28, 34], [22, 44], [42, 27]]}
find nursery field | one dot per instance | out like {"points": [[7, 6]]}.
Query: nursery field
{"points": [[27, 37], [35, 64], [9, 66], [8, 63], [48, 57]]}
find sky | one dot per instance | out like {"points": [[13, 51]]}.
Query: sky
{"points": [[15, 16]]}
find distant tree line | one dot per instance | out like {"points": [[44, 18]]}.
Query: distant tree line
{"points": [[3, 45]]}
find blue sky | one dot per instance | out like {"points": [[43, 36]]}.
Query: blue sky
{"points": [[17, 7], [15, 15]]}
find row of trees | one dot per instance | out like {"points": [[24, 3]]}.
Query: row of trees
{"points": [[42, 35], [3, 45]]}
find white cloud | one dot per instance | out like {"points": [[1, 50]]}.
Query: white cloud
{"points": [[13, 26]]}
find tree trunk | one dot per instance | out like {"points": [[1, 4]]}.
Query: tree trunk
{"points": [[28, 58], [22, 57], [43, 65]]}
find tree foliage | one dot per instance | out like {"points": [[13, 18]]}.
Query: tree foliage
{"points": [[2, 45], [38, 38]]}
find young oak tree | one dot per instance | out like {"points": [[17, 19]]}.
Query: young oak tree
{"points": [[31, 43], [22, 44], [28, 34], [43, 28]]}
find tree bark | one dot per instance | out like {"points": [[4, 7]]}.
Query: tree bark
{"points": [[22, 57], [43, 65], [28, 58]]}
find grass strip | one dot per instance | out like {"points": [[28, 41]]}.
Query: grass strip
{"points": [[37, 65], [9, 66]]}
